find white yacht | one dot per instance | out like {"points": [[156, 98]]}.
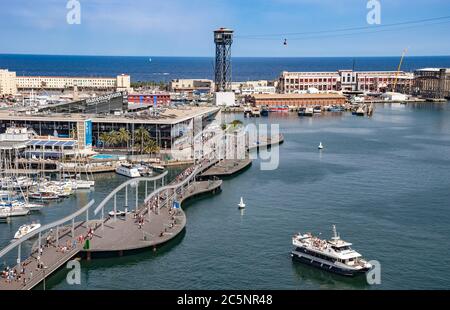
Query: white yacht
{"points": [[320, 146], [128, 171], [11, 210], [25, 230], [32, 206], [334, 255]]}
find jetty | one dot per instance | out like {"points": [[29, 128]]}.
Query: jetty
{"points": [[227, 167], [266, 142]]}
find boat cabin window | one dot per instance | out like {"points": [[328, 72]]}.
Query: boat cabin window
{"points": [[339, 249]]}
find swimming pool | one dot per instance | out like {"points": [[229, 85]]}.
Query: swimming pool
{"points": [[105, 156]]}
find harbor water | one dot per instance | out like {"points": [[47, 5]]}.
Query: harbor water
{"points": [[384, 181]]}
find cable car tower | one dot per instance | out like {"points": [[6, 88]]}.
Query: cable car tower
{"points": [[223, 38]]}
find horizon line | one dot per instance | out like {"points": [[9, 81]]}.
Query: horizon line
{"points": [[188, 56]]}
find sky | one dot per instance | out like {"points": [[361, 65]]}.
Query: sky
{"points": [[184, 27]]}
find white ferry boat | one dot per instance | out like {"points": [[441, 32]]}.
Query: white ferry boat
{"points": [[128, 171], [25, 230], [334, 255]]}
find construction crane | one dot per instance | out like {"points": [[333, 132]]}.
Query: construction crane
{"points": [[398, 69]]}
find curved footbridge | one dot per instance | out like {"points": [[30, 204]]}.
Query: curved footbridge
{"points": [[90, 232]]}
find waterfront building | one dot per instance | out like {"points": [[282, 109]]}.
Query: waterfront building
{"points": [[192, 85], [10, 82], [344, 80], [165, 126], [152, 99], [297, 100], [7, 82], [51, 147], [109, 103], [14, 138], [253, 87], [432, 82]]}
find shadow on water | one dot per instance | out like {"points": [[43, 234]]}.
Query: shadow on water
{"points": [[316, 277]]}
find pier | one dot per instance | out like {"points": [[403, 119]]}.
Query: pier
{"points": [[227, 167], [266, 142]]}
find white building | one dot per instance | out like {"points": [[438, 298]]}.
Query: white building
{"points": [[7, 82], [344, 80], [10, 82], [121, 82], [227, 99], [190, 85], [253, 87]]}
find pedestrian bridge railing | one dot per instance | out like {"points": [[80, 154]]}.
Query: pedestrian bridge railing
{"points": [[54, 225]]}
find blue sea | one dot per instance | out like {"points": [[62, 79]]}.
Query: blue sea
{"points": [[168, 68]]}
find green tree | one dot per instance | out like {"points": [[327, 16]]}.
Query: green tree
{"points": [[151, 147], [123, 137], [104, 137], [113, 138], [236, 123], [141, 137]]}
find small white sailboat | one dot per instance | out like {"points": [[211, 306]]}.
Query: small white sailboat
{"points": [[33, 206], [26, 229], [241, 204], [320, 146]]}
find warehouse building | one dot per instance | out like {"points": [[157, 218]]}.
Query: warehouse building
{"points": [[297, 100]]}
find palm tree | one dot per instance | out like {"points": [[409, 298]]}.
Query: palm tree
{"points": [[113, 137], [141, 137], [123, 136], [151, 147], [104, 137]]}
